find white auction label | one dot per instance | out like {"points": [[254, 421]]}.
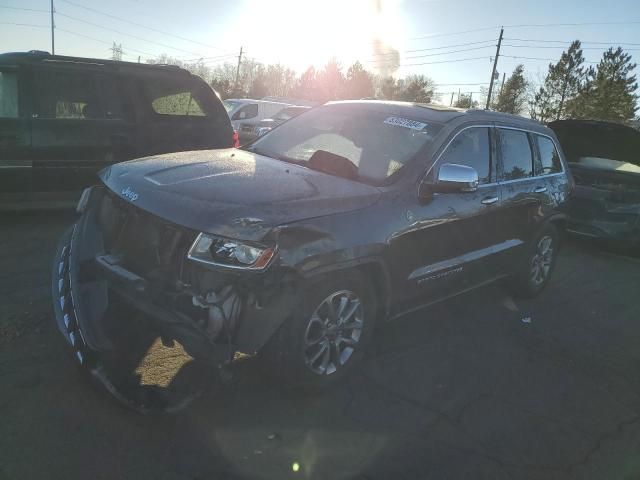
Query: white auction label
{"points": [[405, 122]]}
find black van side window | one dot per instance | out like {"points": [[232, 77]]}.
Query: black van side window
{"points": [[8, 95], [549, 157], [517, 157], [173, 98], [471, 148], [67, 95]]}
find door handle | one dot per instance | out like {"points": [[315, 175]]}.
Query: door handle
{"points": [[540, 190], [490, 200]]}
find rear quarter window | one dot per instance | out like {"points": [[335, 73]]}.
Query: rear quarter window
{"points": [[177, 97], [549, 156]]}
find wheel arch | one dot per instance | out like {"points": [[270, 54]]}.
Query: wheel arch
{"points": [[373, 269]]}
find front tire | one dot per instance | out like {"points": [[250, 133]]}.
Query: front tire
{"points": [[328, 333]]}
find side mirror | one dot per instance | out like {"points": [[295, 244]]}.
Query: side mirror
{"points": [[457, 178], [451, 178]]}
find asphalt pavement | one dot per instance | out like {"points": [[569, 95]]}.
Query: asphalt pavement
{"points": [[483, 386]]}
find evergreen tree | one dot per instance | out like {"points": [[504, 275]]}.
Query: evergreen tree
{"points": [[359, 83], [418, 89], [563, 82], [388, 88], [465, 100], [513, 96], [609, 92]]}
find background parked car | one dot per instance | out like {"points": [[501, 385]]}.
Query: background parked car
{"points": [[604, 159], [251, 130], [241, 109], [64, 118]]}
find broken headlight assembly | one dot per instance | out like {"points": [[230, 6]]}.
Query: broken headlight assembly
{"points": [[211, 250]]}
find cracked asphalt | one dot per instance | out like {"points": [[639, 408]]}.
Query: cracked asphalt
{"points": [[463, 389]]}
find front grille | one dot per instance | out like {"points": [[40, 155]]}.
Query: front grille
{"points": [[145, 242]]}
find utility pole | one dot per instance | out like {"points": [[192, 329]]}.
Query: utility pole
{"points": [[504, 74], [238, 68], [451, 102], [470, 100], [495, 65], [53, 25]]}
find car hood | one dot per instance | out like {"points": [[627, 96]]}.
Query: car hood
{"points": [[592, 138], [232, 192]]}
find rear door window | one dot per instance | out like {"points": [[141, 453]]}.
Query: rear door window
{"points": [[549, 156], [516, 154], [8, 94], [471, 148], [67, 95]]}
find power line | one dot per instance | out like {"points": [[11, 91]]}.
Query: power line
{"points": [[446, 34], [443, 61], [433, 48], [153, 29], [449, 46], [459, 84], [523, 25], [536, 58], [431, 54], [103, 41], [33, 25], [218, 57], [583, 24], [23, 9], [560, 46], [123, 33], [570, 41]]}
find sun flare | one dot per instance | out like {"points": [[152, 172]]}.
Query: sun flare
{"points": [[303, 33]]}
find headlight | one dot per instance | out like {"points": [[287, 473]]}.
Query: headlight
{"points": [[262, 130], [214, 250]]}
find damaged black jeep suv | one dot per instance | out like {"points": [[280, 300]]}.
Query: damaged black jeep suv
{"points": [[297, 244]]}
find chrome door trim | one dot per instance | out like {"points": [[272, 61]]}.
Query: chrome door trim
{"points": [[461, 260]]}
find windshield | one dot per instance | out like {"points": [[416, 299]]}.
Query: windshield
{"points": [[230, 105], [378, 143], [287, 113]]}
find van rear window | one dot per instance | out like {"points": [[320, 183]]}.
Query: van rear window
{"points": [[182, 103], [176, 98]]}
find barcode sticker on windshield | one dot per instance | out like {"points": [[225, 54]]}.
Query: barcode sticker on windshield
{"points": [[405, 122]]}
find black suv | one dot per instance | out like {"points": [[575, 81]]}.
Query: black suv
{"points": [[353, 213], [62, 119]]}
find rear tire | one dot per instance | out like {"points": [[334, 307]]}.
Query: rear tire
{"points": [[540, 259], [328, 333]]}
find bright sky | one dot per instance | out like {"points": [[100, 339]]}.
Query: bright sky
{"points": [[300, 32]]}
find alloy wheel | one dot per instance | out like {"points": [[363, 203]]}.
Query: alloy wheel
{"points": [[542, 260], [333, 332]]}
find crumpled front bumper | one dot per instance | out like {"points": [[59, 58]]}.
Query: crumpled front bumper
{"points": [[85, 286], [80, 304]]}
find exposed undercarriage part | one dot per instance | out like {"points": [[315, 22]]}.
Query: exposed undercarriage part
{"points": [[120, 263]]}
